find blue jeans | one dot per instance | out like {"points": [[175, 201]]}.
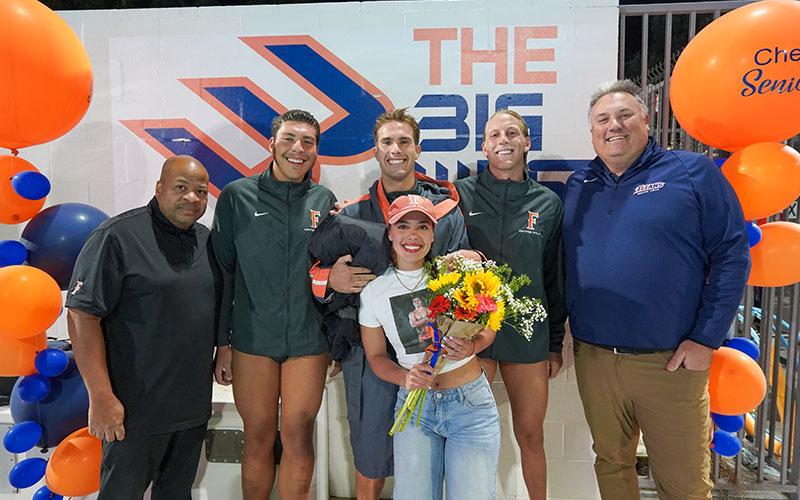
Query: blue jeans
{"points": [[458, 439]]}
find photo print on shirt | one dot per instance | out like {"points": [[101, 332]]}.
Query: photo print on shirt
{"points": [[410, 316]]}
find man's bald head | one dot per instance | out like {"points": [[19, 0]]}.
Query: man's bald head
{"points": [[180, 164], [182, 190]]}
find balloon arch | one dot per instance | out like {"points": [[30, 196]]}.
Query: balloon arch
{"points": [[45, 91]]}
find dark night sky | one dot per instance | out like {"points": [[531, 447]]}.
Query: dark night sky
{"points": [[139, 4]]}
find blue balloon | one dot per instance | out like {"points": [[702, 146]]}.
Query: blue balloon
{"points": [[44, 493], [33, 388], [753, 234], [12, 253], [55, 236], [728, 423], [27, 473], [725, 444], [31, 185], [744, 345], [51, 362], [63, 411], [720, 161], [22, 437]]}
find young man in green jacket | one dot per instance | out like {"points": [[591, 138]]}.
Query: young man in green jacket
{"points": [[277, 348], [513, 219]]}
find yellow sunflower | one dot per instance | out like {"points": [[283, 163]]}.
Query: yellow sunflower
{"points": [[443, 280], [461, 298], [496, 318], [466, 296], [482, 282]]}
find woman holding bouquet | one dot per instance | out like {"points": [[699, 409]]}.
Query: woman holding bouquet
{"points": [[457, 436]]}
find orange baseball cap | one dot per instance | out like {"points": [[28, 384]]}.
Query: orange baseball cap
{"points": [[411, 203]]}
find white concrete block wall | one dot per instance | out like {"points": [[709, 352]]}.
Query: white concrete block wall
{"points": [[341, 474], [570, 469]]}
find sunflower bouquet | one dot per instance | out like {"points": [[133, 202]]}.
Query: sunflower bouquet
{"points": [[466, 296], [481, 293]]}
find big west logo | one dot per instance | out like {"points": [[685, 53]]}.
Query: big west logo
{"points": [[346, 135]]}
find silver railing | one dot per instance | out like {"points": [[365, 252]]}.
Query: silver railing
{"points": [[771, 316], [677, 23]]}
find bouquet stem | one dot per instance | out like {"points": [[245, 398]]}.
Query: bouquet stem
{"points": [[414, 399]]}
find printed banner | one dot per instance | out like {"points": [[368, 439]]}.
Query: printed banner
{"points": [[207, 82]]}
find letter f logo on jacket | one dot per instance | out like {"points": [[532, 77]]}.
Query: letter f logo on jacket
{"points": [[532, 216], [314, 217]]}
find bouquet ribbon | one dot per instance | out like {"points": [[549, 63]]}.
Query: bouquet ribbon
{"points": [[434, 349]]}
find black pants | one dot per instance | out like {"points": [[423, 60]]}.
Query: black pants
{"points": [[169, 461]]}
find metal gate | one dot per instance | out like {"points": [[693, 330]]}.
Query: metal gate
{"points": [[770, 316]]}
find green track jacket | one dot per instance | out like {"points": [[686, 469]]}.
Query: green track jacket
{"points": [[519, 223], [260, 235]]}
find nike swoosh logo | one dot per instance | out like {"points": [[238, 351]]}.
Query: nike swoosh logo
{"points": [[259, 214], [589, 180], [472, 214]]}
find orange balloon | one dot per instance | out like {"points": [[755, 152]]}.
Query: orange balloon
{"points": [[736, 383], [46, 86], [765, 176], [737, 82], [74, 467], [775, 261], [13, 207], [16, 355], [30, 301]]}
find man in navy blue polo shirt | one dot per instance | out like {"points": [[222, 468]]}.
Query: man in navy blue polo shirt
{"points": [[656, 260]]}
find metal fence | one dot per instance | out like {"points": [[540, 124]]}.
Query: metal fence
{"points": [[770, 316]]}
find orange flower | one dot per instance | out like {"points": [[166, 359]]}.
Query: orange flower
{"points": [[461, 314]]}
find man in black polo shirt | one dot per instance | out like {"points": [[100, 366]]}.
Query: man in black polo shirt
{"points": [[142, 323]]}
